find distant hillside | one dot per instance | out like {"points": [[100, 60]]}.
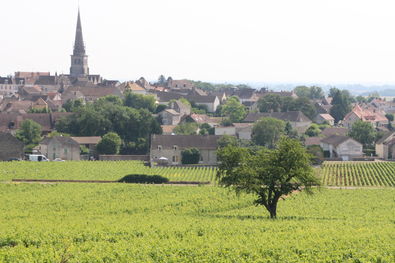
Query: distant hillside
{"points": [[384, 93]]}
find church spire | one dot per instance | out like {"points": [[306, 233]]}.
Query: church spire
{"points": [[79, 47]]}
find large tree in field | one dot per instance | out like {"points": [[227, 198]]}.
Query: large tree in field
{"points": [[363, 132], [268, 174], [29, 132], [267, 131]]}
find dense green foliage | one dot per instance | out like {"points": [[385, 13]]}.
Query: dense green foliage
{"points": [[144, 179], [233, 110], [109, 114], [146, 223], [312, 92], [267, 131], [109, 144], [358, 174], [276, 103], [186, 128], [363, 132], [29, 132], [268, 174], [190, 156], [341, 101], [139, 101]]}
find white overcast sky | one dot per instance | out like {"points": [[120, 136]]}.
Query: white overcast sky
{"points": [[325, 41]]}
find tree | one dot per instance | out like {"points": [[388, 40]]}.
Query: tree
{"points": [[162, 80], [313, 130], [73, 105], [270, 103], [227, 140], [109, 144], [304, 105], [233, 109], [267, 131], [187, 128], [390, 118], [312, 92], [289, 131], [341, 101], [139, 101], [190, 156], [268, 174], [363, 132], [29, 132]]}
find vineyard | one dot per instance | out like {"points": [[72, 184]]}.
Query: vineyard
{"points": [[103, 170], [358, 174], [143, 223]]}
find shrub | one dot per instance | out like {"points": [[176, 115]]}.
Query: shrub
{"points": [[143, 179], [190, 156]]}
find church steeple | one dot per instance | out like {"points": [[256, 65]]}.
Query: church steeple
{"points": [[79, 60], [79, 47]]}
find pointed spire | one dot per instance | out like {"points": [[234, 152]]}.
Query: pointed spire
{"points": [[79, 47]]}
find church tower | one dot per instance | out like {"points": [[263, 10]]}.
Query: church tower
{"points": [[79, 60]]}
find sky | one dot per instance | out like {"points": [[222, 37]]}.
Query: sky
{"points": [[282, 41]]}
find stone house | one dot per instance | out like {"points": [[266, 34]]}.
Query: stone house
{"points": [[170, 117], [211, 102], [10, 86], [225, 130], [10, 147], [343, 147], [180, 107], [171, 146], [60, 147], [385, 146], [325, 117], [135, 88]]}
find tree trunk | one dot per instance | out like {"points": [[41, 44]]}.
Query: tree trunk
{"points": [[273, 211]]}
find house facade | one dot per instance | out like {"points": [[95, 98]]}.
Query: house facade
{"points": [[171, 146], [343, 147], [10, 147], [374, 116], [385, 147], [61, 147]]}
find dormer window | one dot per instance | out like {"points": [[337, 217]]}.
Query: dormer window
{"points": [[159, 147], [175, 147]]}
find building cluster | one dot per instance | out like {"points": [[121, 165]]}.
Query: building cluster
{"points": [[40, 96]]}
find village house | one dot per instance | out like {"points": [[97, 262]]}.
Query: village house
{"points": [[374, 116], [168, 129], [170, 117], [325, 118], [10, 147], [383, 105], [240, 130], [343, 147], [385, 146], [135, 88], [62, 147], [297, 119], [10, 86], [201, 119], [180, 107], [89, 142], [171, 146], [211, 102]]}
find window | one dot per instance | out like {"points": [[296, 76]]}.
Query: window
{"points": [[175, 147], [175, 159], [159, 147], [65, 150], [201, 158]]}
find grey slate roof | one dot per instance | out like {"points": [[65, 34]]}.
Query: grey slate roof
{"points": [[335, 140], [61, 139], [292, 116], [208, 142], [385, 137], [201, 99], [334, 131]]}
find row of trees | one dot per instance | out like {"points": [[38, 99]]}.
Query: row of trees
{"points": [[130, 118]]}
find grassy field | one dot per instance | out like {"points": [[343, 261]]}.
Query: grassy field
{"points": [[109, 170], [358, 174], [148, 223]]}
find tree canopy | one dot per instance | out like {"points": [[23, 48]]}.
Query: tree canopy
{"points": [[312, 92], [109, 144], [268, 174], [29, 132], [190, 156], [267, 131], [341, 101], [363, 132], [233, 109]]}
